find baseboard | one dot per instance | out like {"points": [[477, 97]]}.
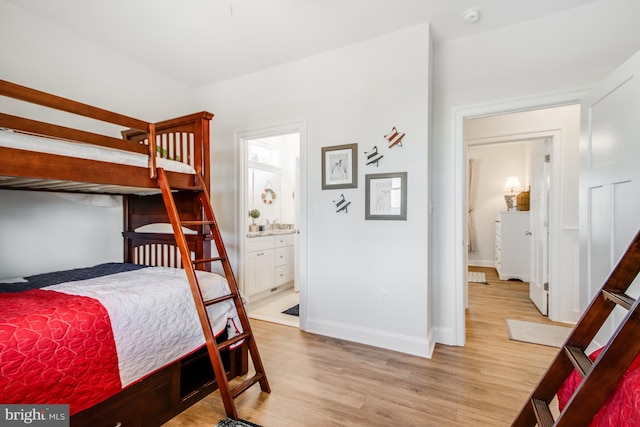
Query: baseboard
{"points": [[480, 263], [376, 338], [444, 336], [507, 276]]}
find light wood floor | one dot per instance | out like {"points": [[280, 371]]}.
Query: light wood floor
{"points": [[319, 381]]}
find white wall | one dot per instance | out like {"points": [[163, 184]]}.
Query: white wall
{"points": [[41, 232], [564, 51], [350, 95], [44, 56], [494, 163]]}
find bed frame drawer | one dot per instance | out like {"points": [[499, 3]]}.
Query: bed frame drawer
{"points": [[132, 408]]}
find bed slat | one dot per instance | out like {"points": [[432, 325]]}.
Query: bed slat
{"points": [[33, 96]]}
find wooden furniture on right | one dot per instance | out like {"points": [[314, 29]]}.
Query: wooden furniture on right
{"points": [[599, 377], [512, 250]]}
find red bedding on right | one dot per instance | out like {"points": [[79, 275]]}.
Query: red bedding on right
{"points": [[622, 408]]}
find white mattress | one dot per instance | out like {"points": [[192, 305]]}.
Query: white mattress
{"points": [[10, 139]]}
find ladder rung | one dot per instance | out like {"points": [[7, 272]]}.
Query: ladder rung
{"points": [[240, 388], [219, 299], [196, 222], [579, 359], [543, 413], [203, 260], [231, 341], [619, 298]]}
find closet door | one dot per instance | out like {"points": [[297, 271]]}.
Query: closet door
{"points": [[609, 178]]}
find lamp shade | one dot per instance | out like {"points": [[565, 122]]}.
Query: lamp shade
{"points": [[512, 184]]}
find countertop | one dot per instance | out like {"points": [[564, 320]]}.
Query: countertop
{"points": [[252, 234]]}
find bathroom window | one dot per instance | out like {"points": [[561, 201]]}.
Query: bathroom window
{"points": [[265, 152]]}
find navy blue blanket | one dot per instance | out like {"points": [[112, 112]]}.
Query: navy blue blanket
{"points": [[47, 279]]}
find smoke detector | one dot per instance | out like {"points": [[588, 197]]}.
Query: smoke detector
{"points": [[471, 16]]}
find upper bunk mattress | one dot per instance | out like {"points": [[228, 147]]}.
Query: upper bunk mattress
{"points": [[16, 140]]}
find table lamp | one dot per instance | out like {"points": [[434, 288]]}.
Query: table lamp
{"points": [[512, 185]]}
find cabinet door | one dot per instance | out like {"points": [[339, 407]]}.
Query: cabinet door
{"points": [[265, 274], [284, 240], [281, 275], [250, 268], [281, 256], [290, 263], [259, 271]]}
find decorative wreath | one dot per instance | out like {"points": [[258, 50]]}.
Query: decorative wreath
{"points": [[268, 196]]}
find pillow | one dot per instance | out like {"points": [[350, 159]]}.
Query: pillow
{"points": [[14, 280]]}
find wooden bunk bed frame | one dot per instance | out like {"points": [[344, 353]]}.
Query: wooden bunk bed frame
{"points": [[159, 397]]}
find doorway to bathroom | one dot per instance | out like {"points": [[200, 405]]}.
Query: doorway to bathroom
{"points": [[269, 239]]}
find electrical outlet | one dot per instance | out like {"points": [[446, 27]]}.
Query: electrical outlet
{"points": [[384, 296]]}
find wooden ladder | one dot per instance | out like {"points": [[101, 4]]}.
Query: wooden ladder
{"points": [[600, 377], [188, 264]]}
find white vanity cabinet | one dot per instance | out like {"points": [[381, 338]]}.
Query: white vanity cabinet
{"points": [[512, 252], [269, 263]]}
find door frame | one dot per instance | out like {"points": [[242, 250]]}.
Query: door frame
{"points": [[240, 144], [460, 158]]}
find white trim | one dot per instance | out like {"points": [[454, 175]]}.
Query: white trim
{"points": [[240, 138], [374, 337], [474, 111]]}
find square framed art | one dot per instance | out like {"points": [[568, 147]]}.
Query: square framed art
{"points": [[386, 196], [340, 166]]}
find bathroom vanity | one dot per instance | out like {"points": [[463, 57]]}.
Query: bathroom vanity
{"points": [[269, 263]]}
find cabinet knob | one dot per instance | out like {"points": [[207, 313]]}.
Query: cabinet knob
{"points": [[527, 233]]}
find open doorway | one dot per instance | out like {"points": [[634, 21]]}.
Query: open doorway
{"points": [[559, 124], [508, 211], [270, 247]]}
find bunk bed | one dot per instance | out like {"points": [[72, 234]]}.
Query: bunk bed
{"points": [[36, 155]]}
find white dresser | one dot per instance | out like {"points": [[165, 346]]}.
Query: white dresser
{"points": [[513, 245]]}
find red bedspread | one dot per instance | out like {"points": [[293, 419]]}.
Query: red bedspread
{"points": [[55, 344], [622, 408]]}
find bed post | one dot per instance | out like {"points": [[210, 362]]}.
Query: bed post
{"points": [[185, 139]]}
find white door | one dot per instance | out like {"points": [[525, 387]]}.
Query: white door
{"points": [[539, 207], [609, 177]]}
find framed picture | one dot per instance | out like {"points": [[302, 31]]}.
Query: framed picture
{"points": [[386, 196], [340, 166]]}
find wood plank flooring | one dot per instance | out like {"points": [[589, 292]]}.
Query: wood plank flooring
{"points": [[320, 381]]}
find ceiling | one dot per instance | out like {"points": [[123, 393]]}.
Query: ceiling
{"points": [[199, 42]]}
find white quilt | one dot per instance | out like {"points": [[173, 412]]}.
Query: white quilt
{"points": [[153, 316]]}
